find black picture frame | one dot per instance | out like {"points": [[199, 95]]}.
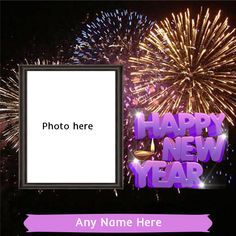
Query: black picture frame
{"points": [[22, 183]]}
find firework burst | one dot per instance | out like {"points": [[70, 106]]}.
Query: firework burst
{"points": [[112, 37], [9, 108], [188, 64], [9, 104]]}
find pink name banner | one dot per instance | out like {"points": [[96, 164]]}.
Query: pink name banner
{"points": [[117, 223]]}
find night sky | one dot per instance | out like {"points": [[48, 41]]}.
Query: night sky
{"points": [[38, 28]]}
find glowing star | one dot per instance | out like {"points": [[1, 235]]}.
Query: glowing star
{"points": [[201, 185], [138, 114], [224, 136]]}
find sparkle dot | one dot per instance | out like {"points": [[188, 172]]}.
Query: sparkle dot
{"points": [[201, 185], [138, 114]]}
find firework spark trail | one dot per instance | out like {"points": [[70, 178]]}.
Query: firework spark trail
{"points": [[9, 109], [188, 65], [112, 37], [9, 104]]}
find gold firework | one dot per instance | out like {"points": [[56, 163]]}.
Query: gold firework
{"points": [[9, 104], [188, 64]]}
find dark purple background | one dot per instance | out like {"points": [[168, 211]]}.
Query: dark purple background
{"points": [[36, 30]]}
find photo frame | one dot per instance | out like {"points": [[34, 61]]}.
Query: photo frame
{"points": [[24, 183]]}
